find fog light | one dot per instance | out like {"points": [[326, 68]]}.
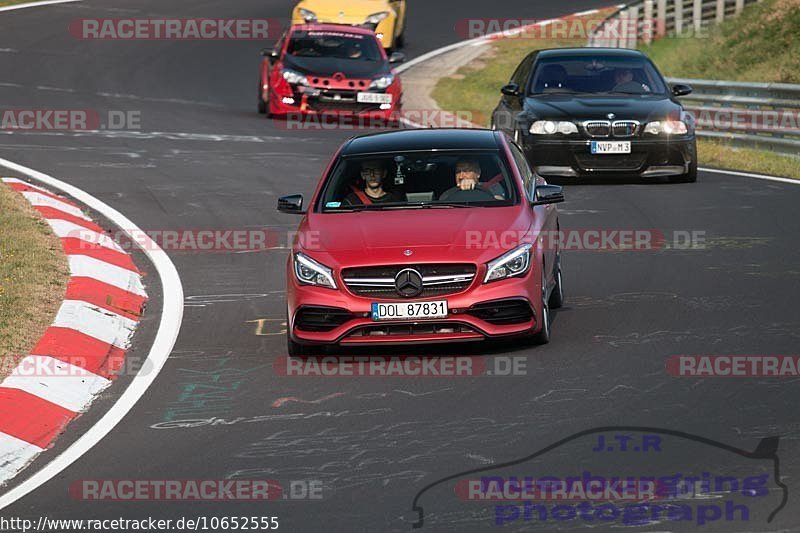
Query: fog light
{"points": [[386, 106], [287, 100]]}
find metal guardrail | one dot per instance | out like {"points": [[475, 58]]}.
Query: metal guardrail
{"points": [[646, 20], [764, 115]]}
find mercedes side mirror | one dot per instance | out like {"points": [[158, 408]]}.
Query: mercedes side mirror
{"points": [[548, 194], [292, 205], [681, 90], [512, 89]]}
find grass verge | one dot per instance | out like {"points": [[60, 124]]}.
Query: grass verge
{"points": [[476, 87], [33, 277]]}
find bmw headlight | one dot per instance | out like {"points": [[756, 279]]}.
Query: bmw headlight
{"points": [[382, 83], [512, 264], [669, 127], [375, 18], [550, 127], [308, 15], [309, 272], [294, 77]]}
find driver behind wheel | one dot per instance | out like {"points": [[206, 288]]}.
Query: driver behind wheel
{"points": [[468, 186], [624, 82]]}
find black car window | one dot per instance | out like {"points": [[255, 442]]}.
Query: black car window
{"points": [[523, 71], [334, 44], [596, 74], [418, 179], [524, 170]]}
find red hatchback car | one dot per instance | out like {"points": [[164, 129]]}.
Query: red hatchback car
{"points": [[423, 236], [331, 69]]}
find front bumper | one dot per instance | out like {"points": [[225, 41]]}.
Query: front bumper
{"points": [[500, 309], [649, 158], [315, 101]]}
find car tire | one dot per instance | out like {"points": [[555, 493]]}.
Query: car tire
{"points": [[262, 105], [557, 296], [543, 335], [691, 176]]}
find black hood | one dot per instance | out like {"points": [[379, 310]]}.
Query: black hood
{"points": [[327, 66], [587, 107]]}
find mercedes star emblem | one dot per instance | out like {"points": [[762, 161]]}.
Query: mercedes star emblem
{"points": [[408, 253], [408, 283]]}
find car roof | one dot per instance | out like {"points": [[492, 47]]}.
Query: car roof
{"points": [[326, 26], [621, 52], [422, 140]]}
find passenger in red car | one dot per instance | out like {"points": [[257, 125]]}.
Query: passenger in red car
{"points": [[374, 175]]}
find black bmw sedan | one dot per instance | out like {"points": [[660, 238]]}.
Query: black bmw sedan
{"points": [[584, 112]]}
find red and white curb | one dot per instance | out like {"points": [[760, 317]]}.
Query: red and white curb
{"points": [[80, 352]]}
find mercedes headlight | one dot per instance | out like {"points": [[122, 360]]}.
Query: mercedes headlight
{"points": [[309, 272], [512, 264], [375, 18], [294, 77], [670, 127], [382, 83], [550, 127], [308, 15]]}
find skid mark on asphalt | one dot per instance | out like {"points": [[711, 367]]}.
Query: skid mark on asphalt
{"points": [[280, 402]]}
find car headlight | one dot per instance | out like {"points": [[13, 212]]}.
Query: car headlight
{"points": [[308, 15], [375, 18], [294, 77], [310, 272], [670, 127], [382, 83], [512, 264], [550, 127]]}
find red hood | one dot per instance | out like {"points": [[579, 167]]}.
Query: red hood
{"points": [[433, 235]]}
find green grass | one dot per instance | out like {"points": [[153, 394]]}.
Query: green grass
{"points": [[33, 276], [762, 44], [4, 3], [722, 155]]}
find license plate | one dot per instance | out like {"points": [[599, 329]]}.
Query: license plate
{"points": [[374, 98], [407, 310], [611, 147]]}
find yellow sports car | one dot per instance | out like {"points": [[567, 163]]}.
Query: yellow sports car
{"points": [[387, 18]]}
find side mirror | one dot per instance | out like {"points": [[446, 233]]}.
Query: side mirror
{"points": [[292, 205], [681, 90], [548, 194], [397, 57], [271, 53], [512, 89]]}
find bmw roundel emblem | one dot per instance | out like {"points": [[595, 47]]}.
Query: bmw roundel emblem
{"points": [[611, 116]]}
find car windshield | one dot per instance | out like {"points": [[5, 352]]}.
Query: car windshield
{"points": [[334, 44], [596, 74], [416, 180]]}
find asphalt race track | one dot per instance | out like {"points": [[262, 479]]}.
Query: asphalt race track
{"points": [[204, 159]]}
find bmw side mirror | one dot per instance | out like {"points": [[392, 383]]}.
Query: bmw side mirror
{"points": [[681, 90], [397, 57], [548, 194], [512, 89], [292, 205]]}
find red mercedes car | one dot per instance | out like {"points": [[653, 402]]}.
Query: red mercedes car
{"points": [[422, 236], [329, 68]]}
